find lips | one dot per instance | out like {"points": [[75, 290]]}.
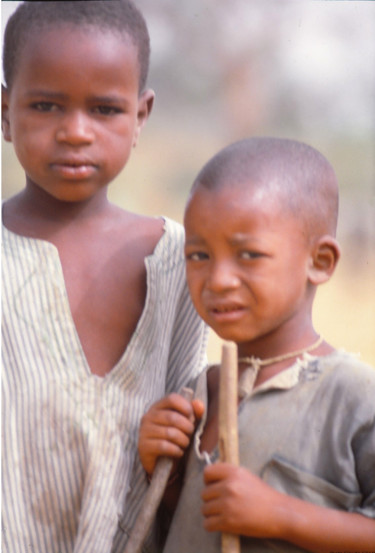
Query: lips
{"points": [[228, 312], [224, 306], [74, 168], [225, 309]]}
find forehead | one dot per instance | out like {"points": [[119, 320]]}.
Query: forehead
{"points": [[75, 48], [223, 221], [237, 210], [232, 200]]}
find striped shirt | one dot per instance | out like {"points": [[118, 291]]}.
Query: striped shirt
{"points": [[72, 480]]}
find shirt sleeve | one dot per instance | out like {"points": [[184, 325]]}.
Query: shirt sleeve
{"points": [[357, 388], [187, 356], [364, 450]]}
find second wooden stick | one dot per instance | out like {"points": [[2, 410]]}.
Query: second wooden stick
{"points": [[228, 425]]}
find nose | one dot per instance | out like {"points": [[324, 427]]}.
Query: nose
{"points": [[222, 277], [75, 129]]}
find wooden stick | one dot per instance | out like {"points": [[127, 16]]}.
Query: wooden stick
{"points": [[153, 497], [228, 425]]}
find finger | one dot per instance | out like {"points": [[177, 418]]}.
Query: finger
{"points": [[211, 492], [170, 434], [217, 471], [198, 408], [151, 450], [212, 509], [214, 523], [180, 421], [166, 418], [177, 403], [217, 516], [165, 448]]}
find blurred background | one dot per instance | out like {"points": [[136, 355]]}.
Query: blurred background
{"points": [[223, 71]]}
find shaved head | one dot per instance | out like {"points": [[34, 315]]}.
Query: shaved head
{"points": [[288, 172]]}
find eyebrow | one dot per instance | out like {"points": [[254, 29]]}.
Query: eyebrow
{"points": [[236, 240], [107, 99], [46, 94], [239, 239], [194, 241]]}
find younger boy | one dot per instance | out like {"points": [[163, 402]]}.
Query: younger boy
{"points": [[97, 319], [260, 237]]}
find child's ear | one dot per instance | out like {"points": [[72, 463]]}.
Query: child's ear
{"points": [[145, 103], [5, 124], [324, 257]]}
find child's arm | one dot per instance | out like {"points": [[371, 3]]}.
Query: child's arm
{"points": [[236, 501]]}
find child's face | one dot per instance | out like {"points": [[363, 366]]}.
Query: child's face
{"points": [[247, 264], [74, 112]]}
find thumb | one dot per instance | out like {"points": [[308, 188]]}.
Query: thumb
{"points": [[198, 408]]}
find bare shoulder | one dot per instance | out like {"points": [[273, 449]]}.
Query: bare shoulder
{"points": [[141, 231]]}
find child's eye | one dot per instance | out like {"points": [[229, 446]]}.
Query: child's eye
{"points": [[107, 110], [248, 254], [196, 256], [45, 106]]}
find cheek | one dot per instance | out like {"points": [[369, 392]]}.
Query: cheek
{"points": [[30, 139], [117, 142], [195, 285], [115, 155], [25, 149]]}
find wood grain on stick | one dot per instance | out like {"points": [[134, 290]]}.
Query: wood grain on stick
{"points": [[228, 425]]}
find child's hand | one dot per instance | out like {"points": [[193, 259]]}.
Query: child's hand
{"points": [[236, 501], [166, 429]]}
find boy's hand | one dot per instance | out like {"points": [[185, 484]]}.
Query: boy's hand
{"points": [[166, 429], [236, 501]]}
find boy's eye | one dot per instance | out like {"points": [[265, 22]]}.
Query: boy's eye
{"points": [[45, 106], [196, 256], [247, 254], [107, 110]]}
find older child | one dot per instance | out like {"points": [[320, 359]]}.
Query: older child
{"points": [[260, 237], [97, 319]]}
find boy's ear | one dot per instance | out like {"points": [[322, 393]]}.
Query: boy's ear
{"points": [[145, 103], [324, 257], [5, 124]]}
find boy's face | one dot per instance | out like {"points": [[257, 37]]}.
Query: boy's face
{"points": [[247, 264], [73, 112]]}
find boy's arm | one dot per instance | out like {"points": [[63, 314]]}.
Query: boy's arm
{"points": [[237, 501]]}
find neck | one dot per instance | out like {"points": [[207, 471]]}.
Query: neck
{"points": [[45, 205], [263, 369], [36, 214], [296, 333], [257, 362], [36, 202]]}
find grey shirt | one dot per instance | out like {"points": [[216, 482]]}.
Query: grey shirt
{"points": [[308, 432]]}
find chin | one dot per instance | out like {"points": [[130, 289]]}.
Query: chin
{"points": [[75, 196], [231, 335]]}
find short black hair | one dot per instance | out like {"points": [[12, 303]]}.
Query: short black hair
{"points": [[121, 16], [299, 177]]}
